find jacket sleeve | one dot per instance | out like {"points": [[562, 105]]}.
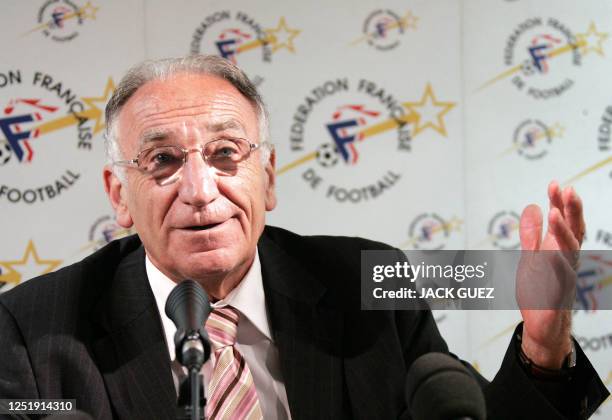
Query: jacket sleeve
{"points": [[16, 374], [513, 393]]}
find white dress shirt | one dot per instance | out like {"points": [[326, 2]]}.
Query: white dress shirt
{"points": [[253, 339]]}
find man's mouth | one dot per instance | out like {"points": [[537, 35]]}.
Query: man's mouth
{"points": [[205, 227]]}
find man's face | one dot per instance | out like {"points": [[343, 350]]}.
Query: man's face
{"points": [[204, 226]]}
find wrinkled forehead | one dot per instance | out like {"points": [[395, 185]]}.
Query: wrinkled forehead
{"points": [[186, 107], [192, 129]]}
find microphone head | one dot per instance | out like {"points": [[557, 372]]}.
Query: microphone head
{"points": [[188, 306], [439, 387]]}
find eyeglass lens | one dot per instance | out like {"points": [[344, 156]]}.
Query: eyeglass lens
{"points": [[164, 161]]}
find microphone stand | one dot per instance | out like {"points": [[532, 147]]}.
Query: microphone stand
{"points": [[191, 401], [188, 307], [195, 378]]}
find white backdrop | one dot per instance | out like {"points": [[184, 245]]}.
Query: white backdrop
{"points": [[495, 98]]}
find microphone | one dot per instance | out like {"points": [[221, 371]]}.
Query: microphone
{"points": [[439, 387], [188, 307]]}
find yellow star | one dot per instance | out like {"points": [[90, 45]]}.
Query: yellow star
{"points": [[430, 112], [282, 36], [93, 112], [455, 224], [409, 21], [557, 130], [31, 266], [88, 11], [476, 366], [591, 40]]}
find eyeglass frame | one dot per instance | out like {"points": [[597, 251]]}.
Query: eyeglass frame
{"points": [[128, 163]]}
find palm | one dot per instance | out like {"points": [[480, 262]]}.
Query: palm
{"points": [[546, 329]]}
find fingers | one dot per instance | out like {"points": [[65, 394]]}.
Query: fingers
{"points": [[569, 205], [555, 198], [572, 205], [566, 241], [561, 230], [530, 228]]}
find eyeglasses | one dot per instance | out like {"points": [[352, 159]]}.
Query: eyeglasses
{"points": [[164, 163]]}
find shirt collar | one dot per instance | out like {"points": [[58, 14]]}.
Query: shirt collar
{"points": [[248, 297]]}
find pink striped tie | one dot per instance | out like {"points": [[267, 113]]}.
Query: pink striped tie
{"points": [[231, 391]]}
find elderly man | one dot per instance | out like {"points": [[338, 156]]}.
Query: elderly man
{"points": [[191, 169]]}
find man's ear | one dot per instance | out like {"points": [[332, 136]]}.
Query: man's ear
{"points": [[270, 182], [117, 195]]}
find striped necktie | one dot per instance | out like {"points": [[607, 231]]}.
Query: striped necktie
{"points": [[231, 391]]}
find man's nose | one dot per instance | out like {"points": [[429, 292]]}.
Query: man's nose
{"points": [[198, 185]]}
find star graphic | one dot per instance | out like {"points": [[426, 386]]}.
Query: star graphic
{"points": [[30, 265], [454, 224], [429, 112], [282, 36], [409, 21], [591, 40], [97, 113], [557, 130], [88, 11]]}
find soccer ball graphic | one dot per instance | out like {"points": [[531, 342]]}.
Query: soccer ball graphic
{"points": [[528, 68], [5, 153], [327, 155]]}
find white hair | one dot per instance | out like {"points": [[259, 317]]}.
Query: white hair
{"points": [[163, 69]]}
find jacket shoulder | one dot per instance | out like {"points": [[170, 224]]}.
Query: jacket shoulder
{"points": [[332, 259], [75, 285], [324, 243]]}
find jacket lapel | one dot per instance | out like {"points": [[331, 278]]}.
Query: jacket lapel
{"points": [[131, 352], [308, 335], [338, 361]]}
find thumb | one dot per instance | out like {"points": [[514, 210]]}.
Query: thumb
{"points": [[530, 229]]}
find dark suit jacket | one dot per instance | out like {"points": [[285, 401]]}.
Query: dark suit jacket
{"points": [[91, 331]]}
